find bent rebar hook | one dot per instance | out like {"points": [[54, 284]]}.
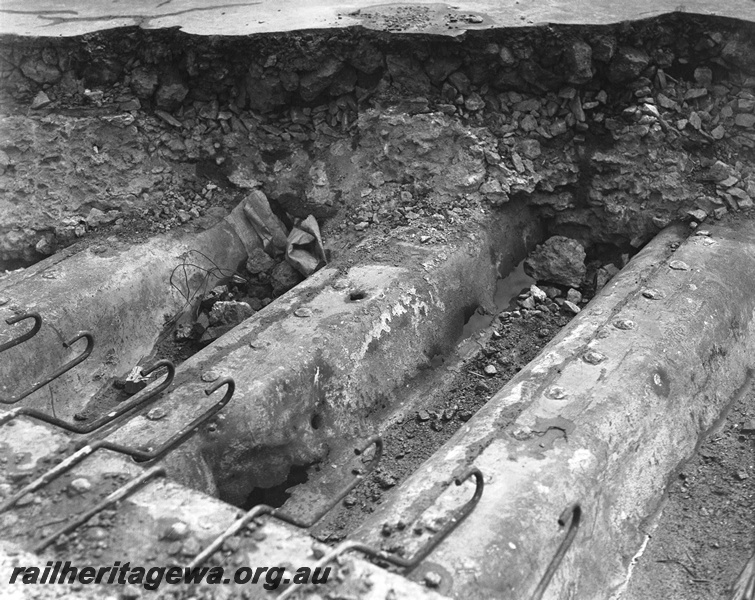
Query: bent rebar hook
{"points": [[123, 408], [408, 564], [262, 509], [24, 336], [118, 495], [573, 516], [137, 454], [66, 367]]}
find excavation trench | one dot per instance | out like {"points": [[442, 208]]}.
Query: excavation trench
{"points": [[317, 371], [305, 393], [571, 442], [550, 418], [126, 295], [432, 168]]}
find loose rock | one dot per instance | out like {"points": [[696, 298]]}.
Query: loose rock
{"points": [[259, 261], [627, 64], [284, 277], [40, 101], [559, 260], [80, 485], [230, 313], [538, 294], [604, 275], [171, 92], [39, 71], [176, 531], [530, 148], [210, 376], [593, 357], [432, 579], [578, 56], [157, 413], [143, 82]]}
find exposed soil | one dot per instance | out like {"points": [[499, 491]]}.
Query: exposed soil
{"points": [[706, 531], [611, 132]]}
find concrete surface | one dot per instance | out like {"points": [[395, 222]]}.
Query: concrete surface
{"points": [[120, 292], [605, 433], [52, 19], [155, 507], [307, 384], [340, 358]]}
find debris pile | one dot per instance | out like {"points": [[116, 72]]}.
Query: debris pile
{"points": [[614, 131], [283, 259]]}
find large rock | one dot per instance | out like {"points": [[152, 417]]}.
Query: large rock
{"points": [[314, 83], [230, 313], [740, 51], [366, 57], [407, 74], [144, 82], [627, 64], [259, 262], [303, 188], [461, 82], [538, 77], [440, 67], [578, 57], [97, 217], [284, 277], [171, 92], [603, 48], [102, 72], [265, 92], [39, 71], [344, 81], [559, 260]]}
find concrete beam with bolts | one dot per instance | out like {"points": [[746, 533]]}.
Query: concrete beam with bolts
{"points": [[138, 534], [315, 370], [608, 411], [121, 293], [339, 344], [47, 18]]}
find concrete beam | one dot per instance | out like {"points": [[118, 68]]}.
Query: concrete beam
{"points": [[121, 293], [316, 370], [137, 531], [340, 344], [607, 412]]}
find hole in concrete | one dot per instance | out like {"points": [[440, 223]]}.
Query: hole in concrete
{"points": [[356, 296], [277, 495]]}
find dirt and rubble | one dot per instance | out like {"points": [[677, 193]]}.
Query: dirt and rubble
{"points": [[611, 133], [515, 338], [706, 530]]}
